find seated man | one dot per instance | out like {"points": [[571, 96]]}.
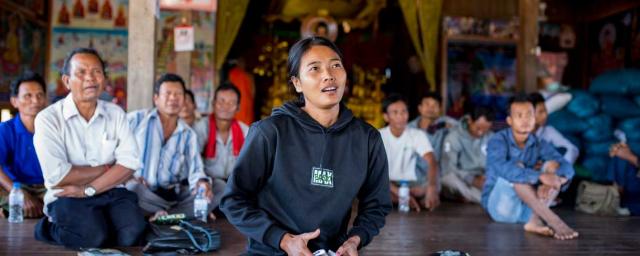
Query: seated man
{"points": [[171, 165], [623, 172], [220, 136], [18, 159], [464, 155], [87, 152], [188, 112], [433, 122], [404, 145], [524, 175], [548, 133]]}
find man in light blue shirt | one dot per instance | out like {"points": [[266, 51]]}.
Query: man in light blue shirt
{"points": [[550, 134], [172, 168], [524, 175]]}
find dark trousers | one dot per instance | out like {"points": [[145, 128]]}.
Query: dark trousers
{"points": [[626, 176], [108, 219]]}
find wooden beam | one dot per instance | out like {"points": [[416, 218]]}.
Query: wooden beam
{"points": [[142, 52], [527, 63]]}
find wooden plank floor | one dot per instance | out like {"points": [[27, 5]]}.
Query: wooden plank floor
{"points": [[452, 226]]}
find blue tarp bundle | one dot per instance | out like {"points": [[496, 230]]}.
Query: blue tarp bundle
{"points": [[567, 122], [631, 128], [583, 104], [600, 128], [620, 106], [620, 82], [597, 165], [598, 148]]}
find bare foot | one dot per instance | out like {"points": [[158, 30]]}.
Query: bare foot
{"points": [[212, 216], [562, 231], [538, 228], [157, 215]]}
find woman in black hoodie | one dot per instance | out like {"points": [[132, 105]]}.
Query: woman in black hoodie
{"points": [[299, 170]]}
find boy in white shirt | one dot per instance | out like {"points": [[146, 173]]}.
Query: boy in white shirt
{"points": [[403, 146]]}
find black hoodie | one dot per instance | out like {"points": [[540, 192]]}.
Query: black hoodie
{"points": [[293, 176]]}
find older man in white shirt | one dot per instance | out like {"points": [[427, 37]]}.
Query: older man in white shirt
{"points": [[87, 151]]}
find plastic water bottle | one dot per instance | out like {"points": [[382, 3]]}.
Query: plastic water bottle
{"points": [[200, 205], [403, 197], [16, 204]]}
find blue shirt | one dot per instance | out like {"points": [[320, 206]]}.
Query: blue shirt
{"points": [[165, 163], [17, 155], [506, 160]]}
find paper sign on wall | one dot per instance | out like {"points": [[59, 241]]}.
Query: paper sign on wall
{"points": [[183, 38]]}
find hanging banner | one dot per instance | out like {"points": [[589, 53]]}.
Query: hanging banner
{"points": [[196, 5]]}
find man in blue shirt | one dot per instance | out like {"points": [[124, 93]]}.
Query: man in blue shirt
{"points": [[18, 160], [524, 175]]}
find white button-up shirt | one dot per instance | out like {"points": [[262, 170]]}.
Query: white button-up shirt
{"points": [[63, 138], [165, 163]]}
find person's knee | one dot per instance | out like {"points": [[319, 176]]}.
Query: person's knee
{"points": [[89, 237], [131, 234]]}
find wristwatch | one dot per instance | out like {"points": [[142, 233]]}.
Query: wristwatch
{"points": [[89, 191]]}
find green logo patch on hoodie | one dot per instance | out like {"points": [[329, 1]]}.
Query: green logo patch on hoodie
{"points": [[321, 177]]}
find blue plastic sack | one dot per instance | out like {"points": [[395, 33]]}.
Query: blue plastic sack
{"points": [[637, 99], [598, 148], [583, 104], [597, 165], [631, 77], [620, 107], [610, 82], [617, 82], [566, 122], [631, 128], [600, 128]]}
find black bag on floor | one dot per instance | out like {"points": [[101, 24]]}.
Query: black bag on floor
{"points": [[183, 238]]}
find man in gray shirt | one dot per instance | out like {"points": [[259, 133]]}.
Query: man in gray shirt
{"points": [[464, 154]]}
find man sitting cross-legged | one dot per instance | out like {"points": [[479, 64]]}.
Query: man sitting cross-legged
{"points": [[172, 169], [404, 146], [524, 175], [464, 156]]}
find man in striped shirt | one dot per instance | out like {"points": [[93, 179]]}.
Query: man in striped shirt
{"points": [[172, 168]]}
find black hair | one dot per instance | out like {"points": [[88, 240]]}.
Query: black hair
{"points": [[518, 98], [432, 95], [168, 77], [481, 111], [227, 86], [536, 98], [393, 98], [27, 76], [66, 66], [190, 94], [295, 58]]}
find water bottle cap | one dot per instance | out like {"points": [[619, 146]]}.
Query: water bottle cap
{"points": [[16, 185]]}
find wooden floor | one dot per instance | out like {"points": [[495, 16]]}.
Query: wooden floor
{"points": [[452, 226]]}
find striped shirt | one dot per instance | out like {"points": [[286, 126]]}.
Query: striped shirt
{"points": [[165, 163]]}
